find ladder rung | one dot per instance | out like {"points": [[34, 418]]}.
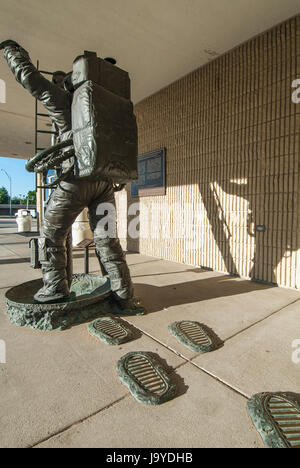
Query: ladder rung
{"points": [[40, 149], [46, 72], [47, 131], [42, 115]]}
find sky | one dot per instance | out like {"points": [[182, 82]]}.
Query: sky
{"points": [[22, 181]]}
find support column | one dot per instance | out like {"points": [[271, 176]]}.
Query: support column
{"points": [[39, 201]]}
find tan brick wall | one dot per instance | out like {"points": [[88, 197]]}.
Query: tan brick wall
{"points": [[231, 133]]}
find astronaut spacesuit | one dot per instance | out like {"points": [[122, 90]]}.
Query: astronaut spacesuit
{"points": [[70, 197]]}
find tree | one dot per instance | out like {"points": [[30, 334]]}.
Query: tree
{"points": [[4, 197], [32, 197], [15, 200]]}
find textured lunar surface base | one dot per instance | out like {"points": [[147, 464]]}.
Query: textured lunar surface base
{"points": [[90, 300]]}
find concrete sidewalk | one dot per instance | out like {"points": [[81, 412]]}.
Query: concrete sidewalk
{"points": [[60, 389]]}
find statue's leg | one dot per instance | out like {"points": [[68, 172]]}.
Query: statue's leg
{"points": [[114, 262], [109, 251], [65, 205]]}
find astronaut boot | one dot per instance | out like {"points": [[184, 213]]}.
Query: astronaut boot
{"points": [[53, 260], [113, 263], [131, 306]]}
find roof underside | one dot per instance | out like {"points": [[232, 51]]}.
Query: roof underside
{"points": [[157, 42]]}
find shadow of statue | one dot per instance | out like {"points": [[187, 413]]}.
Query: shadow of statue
{"points": [[156, 298], [272, 239]]}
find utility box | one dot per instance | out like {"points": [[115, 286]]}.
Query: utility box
{"points": [[81, 230], [23, 219]]}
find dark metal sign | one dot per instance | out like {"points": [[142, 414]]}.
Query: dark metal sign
{"points": [[151, 175]]}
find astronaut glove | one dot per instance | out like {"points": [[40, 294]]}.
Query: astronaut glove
{"points": [[8, 43]]}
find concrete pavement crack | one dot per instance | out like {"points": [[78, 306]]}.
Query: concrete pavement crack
{"points": [[82, 420], [77, 423], [262, 320], [190, 361]]}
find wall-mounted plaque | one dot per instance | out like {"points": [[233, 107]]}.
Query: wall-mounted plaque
{"points": [[152, 175]]}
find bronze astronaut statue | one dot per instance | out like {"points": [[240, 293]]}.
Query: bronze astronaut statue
{"points": [[93, 114]]}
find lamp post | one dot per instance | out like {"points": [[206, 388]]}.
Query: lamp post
{"points": [[10, 210]]}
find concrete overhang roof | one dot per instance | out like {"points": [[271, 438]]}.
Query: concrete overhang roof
{"points": [[157, 41]]}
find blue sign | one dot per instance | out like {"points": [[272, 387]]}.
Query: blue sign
{"points": [[50, 177]]}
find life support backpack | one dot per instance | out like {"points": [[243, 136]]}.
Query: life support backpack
{"points": [[103, 123]]}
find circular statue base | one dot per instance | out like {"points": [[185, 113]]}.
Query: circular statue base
{"points": [[90, 300]]}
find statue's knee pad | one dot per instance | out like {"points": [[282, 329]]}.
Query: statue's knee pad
{"points": [[109, 249]]}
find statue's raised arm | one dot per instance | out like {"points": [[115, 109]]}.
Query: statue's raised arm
{"points": [[56, 100]]}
